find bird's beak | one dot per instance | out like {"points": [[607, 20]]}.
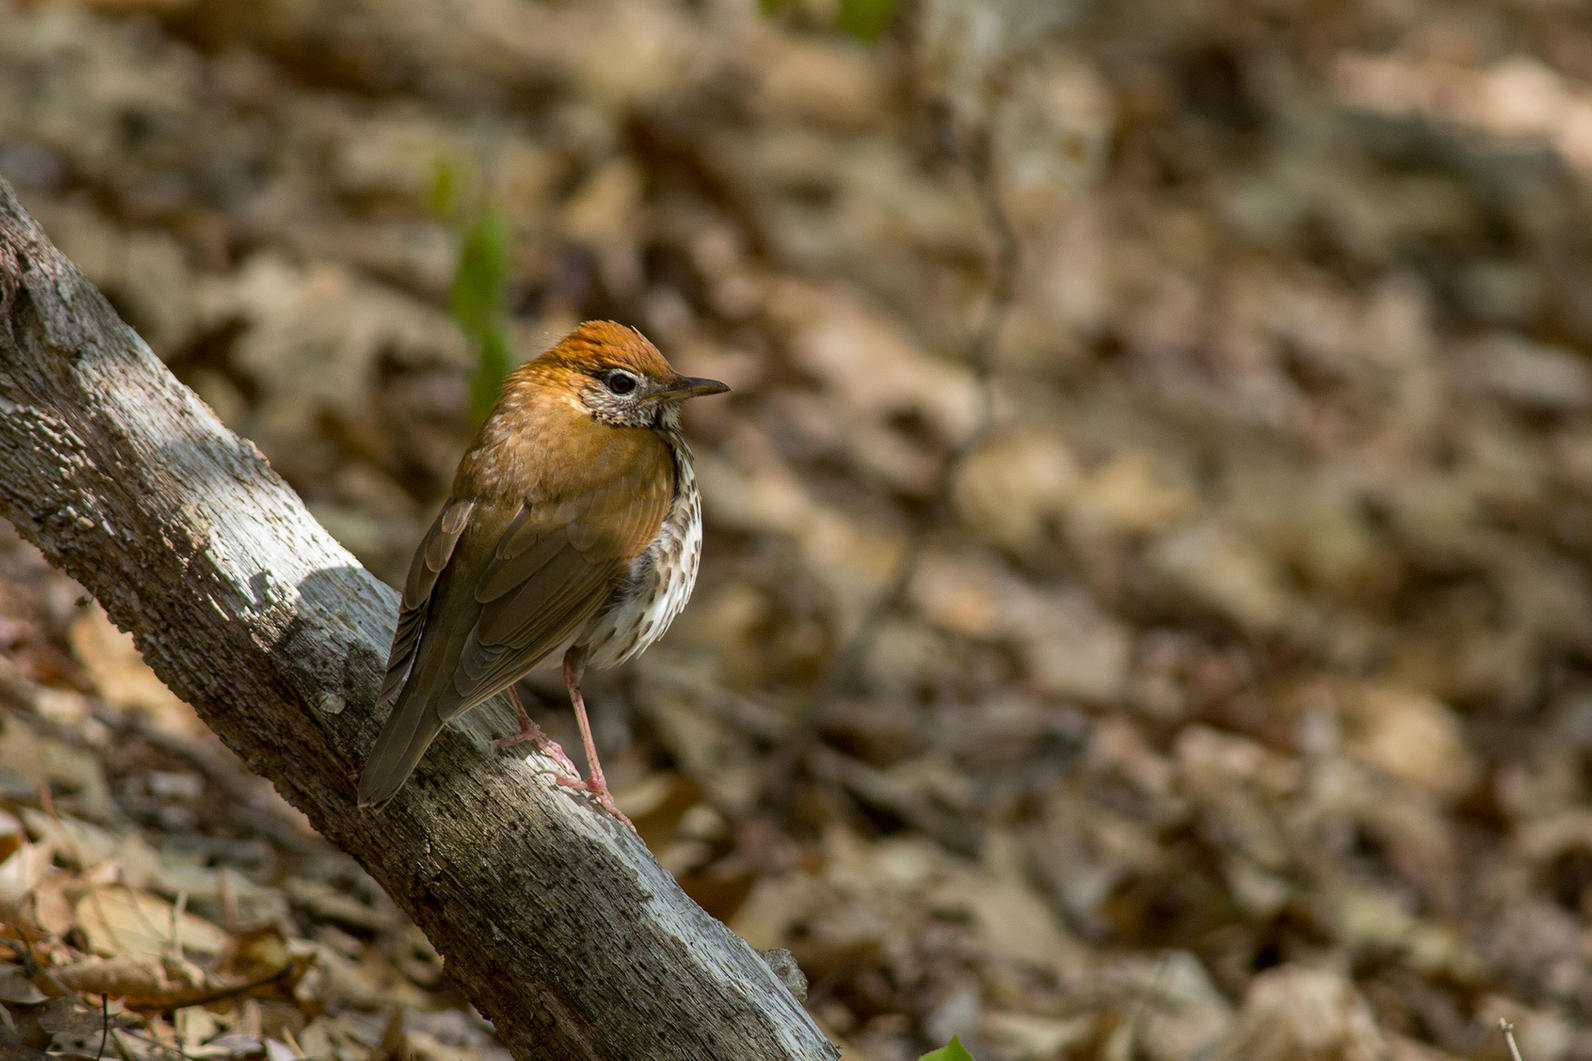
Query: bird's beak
{"points": [[691, 387]]}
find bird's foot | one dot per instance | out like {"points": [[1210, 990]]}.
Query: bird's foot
{"points": [[597, 788], [530, 733]]}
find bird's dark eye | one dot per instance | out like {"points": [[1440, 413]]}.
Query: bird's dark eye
{"points": [[620, 381]]}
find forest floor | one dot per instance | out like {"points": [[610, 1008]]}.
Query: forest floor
{"points": [[1146, 609]]}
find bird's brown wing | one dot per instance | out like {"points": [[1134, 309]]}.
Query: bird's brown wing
{"points": [[433, 554], [519, 582]]}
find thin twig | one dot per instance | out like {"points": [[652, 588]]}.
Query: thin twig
{"points": [[974, 155], [981, 356], [204, 996], [1509, 1039]]}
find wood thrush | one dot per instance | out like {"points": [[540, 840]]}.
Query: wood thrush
{"points": [[573, 531]]}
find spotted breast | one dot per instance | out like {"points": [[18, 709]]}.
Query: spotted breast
{"points": [[660, 579]]}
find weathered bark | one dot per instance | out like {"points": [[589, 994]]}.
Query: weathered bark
{"points": [[556, 920]]}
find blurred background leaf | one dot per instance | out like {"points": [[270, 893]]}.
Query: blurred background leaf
{"points": [[864, 19], [952, 1051], [476, 303]]}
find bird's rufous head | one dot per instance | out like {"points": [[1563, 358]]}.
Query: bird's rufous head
{"points": [[618, 377]]}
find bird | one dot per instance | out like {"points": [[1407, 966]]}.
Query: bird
{"points": [[572, 533]]}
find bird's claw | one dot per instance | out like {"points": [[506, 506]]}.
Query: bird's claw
{"points": [[598, 790], [549, 747]]}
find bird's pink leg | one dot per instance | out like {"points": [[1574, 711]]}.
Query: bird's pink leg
{"points": [[530, 733], [596, 785]]}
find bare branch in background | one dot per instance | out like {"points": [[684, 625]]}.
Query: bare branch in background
{"points": [[973, 152]]}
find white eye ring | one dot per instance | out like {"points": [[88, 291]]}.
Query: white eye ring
{"points": [[620, 382]]}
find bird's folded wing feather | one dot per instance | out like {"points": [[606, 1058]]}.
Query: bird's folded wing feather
{"points": [[430, 558], [525, 575]]}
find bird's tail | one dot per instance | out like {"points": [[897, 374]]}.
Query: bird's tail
{"points": [[407, 733]]}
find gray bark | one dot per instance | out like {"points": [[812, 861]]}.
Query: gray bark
{"points": [[554, 919]]}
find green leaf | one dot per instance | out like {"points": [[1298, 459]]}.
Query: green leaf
{"points": [[771, 6], [865, 19], [476, 303], [443, 196], [476, 300], [492, 364], [952, 1051]]}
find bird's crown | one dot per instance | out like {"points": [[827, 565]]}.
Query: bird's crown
{"points": [[599, 345], [616, 375]]}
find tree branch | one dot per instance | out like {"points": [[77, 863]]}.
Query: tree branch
{"points": [[556, 921]]}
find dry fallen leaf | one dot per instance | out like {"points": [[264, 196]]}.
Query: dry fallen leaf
{"points": [[122, 922], [1298, 1014], [120, 674], [1413, 736]]}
